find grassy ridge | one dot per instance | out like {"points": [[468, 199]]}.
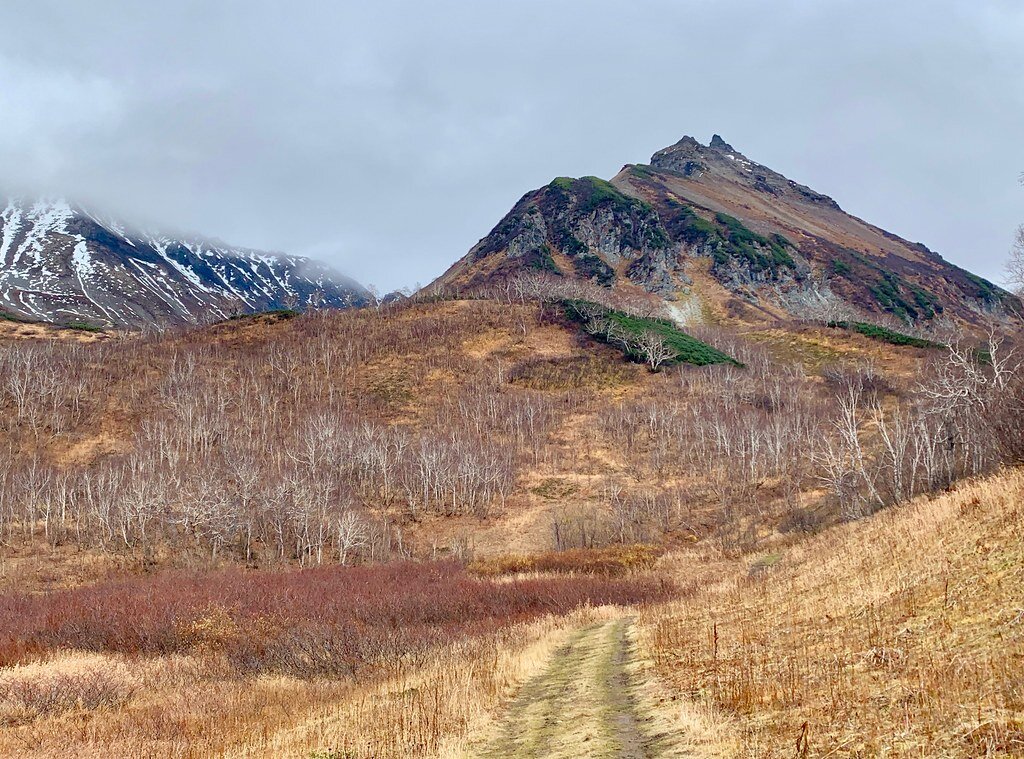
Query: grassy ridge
{"points": [[913, 612]]}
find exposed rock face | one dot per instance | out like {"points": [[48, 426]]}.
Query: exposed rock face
{"points": [[588, 223], [59, 264], [761, 236]]}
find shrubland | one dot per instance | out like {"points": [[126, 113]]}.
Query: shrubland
{"points": [[496, 467], [353, 436], [329, 621]]}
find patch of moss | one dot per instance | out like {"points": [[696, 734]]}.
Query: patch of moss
{"points": [[686, 225], [642, 170], [541, 260], [729, 240], [987, 291], [641, 226], [926, 301], [568, 243], [841, 268], [8, 317], [596, 192], [279, 313], [886, 335], [759, 252], [688, 349], [892, 294], [889, 293]]}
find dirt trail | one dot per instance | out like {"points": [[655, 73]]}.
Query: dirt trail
{"points": [[583, 705]]}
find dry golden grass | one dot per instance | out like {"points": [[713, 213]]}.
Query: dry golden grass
{"points": [[166, 706], [612, 560], [39, 567], [15, 330], [818, 347], [902, 635], [442, 708], [90, 705]]}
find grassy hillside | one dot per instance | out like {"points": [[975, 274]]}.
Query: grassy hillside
{"points": [[175, 509], [901, 635]]}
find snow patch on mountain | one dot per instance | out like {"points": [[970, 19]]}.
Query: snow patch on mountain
{"points": [[60, 262]]}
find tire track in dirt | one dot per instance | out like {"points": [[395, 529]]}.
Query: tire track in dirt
{"points": [[582, 705]]}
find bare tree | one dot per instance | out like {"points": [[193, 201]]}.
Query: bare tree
{"points": [[350, 534], [654, 349], [1015, 267]]}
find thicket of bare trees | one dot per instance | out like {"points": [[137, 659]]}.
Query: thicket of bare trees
{"points": [[269, 449], [321, 442], [734, 451]]}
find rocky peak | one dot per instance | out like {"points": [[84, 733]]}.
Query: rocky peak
{"points": [[765, 240], [690, 157], [694, 160], [717, 143]]}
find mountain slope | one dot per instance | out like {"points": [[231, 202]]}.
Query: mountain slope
{"points": [[771, 244], [59, 263]]}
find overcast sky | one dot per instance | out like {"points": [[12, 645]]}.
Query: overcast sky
{"points": [[388, 137]]}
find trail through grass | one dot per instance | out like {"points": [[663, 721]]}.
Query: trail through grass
{"points": [[585, 704]]}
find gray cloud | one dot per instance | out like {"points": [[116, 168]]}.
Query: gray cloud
{"points": [[388, 139]]}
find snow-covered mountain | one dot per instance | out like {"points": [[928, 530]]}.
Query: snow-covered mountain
{"points": [[60, 263]]}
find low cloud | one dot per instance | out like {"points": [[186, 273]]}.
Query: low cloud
{"points": [[387, 140]]}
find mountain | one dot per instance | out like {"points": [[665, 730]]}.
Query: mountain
{"points": [[59, 263], [706, 221]]}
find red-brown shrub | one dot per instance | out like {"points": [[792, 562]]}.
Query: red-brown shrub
{"points": [[329, 621]]}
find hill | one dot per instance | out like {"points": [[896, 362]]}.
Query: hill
{"points": [[385, 532], [900, 635], [61, 264], [466, 427], [706, 223]]}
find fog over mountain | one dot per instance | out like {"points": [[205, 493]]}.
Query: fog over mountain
{"points": [[386, 140]]}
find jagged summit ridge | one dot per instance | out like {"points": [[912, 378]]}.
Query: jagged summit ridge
{"points": [[60, 262], [690, 158]]}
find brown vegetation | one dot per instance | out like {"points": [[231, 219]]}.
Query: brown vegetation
{"points": [[268, 656], [613, 561], [338, 437], [901, 635], [159, 494], [317, 622]]}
